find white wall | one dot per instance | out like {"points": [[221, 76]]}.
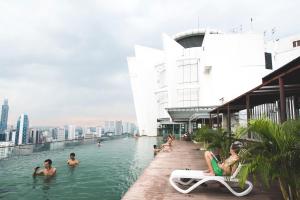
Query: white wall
{"points": [[143, 82], [228, 66], [283, 51]]}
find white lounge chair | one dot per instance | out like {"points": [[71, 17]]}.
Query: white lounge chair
{"points": [[197, 177]]}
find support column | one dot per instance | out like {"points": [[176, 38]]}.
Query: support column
{"points": [[248, 112], [229, 122], [218, 120], [295, 99], [282, 100], [210, 122], [248, 108]]}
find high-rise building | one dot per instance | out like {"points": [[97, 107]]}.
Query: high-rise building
{"points": [[60, 134], [99, 131], [126, 127], [35, 136], [3, 122], [12, 135], [22, 130], [132, 128], [109, 127], [71, 132], [119, 129], [175, 88], [85, 130]]}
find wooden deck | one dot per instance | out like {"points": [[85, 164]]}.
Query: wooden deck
{"points": [[154, 183]]}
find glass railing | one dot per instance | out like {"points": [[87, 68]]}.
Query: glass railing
{"points": [[7, 151]]}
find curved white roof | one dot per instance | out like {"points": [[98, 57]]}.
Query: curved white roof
{"points": [[194, 32]]}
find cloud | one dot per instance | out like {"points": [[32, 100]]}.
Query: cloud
{"points": [[64, 61]]}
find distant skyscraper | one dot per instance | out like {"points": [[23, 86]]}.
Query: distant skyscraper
{"points": [[22, 130], [71, 132], [99, 131], [35, 136], [60, 134], [109, 127], [3, 123], [119, 129]]}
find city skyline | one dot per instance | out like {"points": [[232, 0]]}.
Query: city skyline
{"points": [[65, 63]]}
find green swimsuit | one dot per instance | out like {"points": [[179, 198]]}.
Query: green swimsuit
{"points": [[228, 162]]}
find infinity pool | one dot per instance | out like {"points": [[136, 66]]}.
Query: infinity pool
{"points": [[104, 172]]}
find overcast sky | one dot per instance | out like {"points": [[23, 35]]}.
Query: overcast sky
{"points": [[64, 61]]}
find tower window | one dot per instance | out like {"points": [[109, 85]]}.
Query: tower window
{"points": [[296, 43]]}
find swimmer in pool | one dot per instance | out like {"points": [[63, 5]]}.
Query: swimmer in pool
{"points": [[48, 171], [72, 161]]}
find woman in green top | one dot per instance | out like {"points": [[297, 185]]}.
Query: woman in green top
{"points": [[225, 168]]}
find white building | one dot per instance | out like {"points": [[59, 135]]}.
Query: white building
{"points": [[126, 127], [283, 50], [60, 134], [99, 131], [193, 73], [109, 127], [119, 128], [71, 132]]}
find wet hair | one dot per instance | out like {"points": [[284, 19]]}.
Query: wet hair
{"points": [[49, 161], [154, 146], [72, 154], [236, 146]]}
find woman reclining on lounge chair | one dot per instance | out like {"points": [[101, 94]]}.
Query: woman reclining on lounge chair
{"points": [[216, 168]]}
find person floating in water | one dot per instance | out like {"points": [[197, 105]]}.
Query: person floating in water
{"points": [[48, 171], [72, 161], [99, 144]]}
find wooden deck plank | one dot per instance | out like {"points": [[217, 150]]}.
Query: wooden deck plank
{"points": [[154, 184]]}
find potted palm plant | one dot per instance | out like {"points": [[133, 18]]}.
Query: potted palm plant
{"points": [[276, 156], [216, 139]]}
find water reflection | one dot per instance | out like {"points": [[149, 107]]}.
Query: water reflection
{"points": [[105, 173], [71, 169], [45, 183]]}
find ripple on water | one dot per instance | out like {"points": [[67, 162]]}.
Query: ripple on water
{"points": [[104, 172]]}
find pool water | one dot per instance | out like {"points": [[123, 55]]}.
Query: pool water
{"points": [[104, 172]]}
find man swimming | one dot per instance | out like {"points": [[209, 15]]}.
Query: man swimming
{"points": [[72, 161], [48, 171]]}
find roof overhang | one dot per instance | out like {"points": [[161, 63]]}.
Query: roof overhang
{"points": [[185, 114], [268, 91]]}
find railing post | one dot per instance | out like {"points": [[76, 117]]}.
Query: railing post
{"points": [[282, 100], [229, 122]]}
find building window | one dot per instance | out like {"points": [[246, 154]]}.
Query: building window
{"points": [[161, 79], [268, 60], [296, 43], [188, 97], [161, 76], [187, 70], [162, 100]]}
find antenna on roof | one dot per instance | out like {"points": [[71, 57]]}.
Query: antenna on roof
{"points": [[198, 23], [251, 23], [273, 32]]}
